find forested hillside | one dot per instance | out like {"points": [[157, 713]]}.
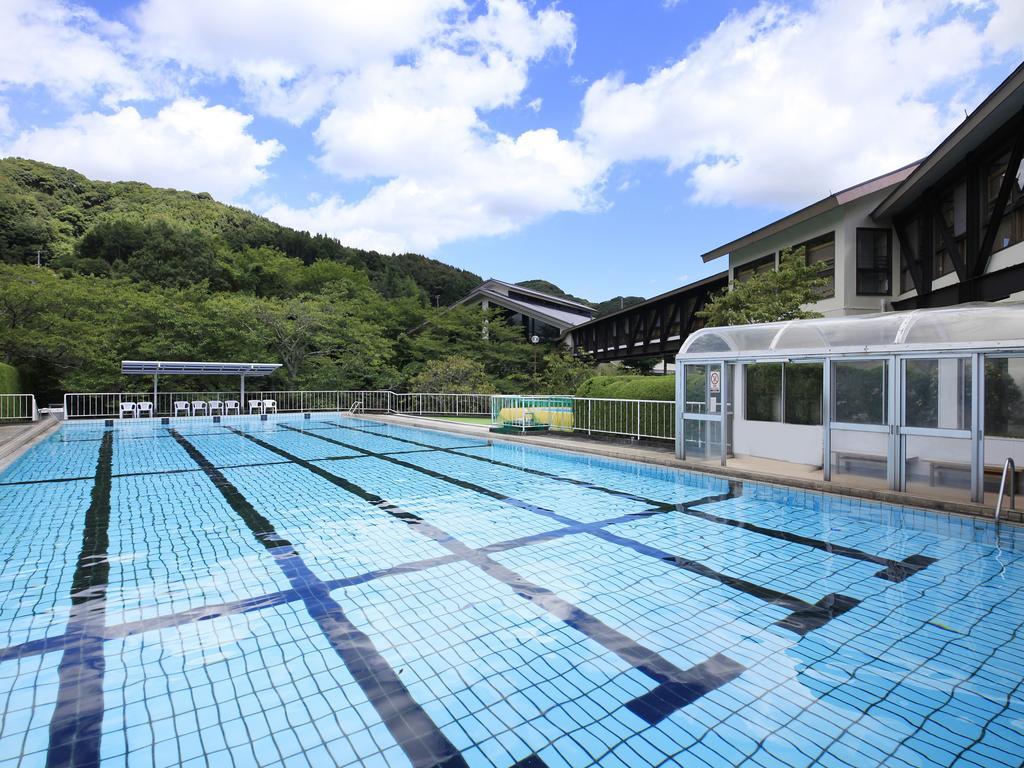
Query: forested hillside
{"points": [[130, 271], [170, 237]]}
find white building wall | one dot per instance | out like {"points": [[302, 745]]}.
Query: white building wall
{"points": [[844, 222], [798, 443]]}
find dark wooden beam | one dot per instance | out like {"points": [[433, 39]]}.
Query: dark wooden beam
{"points": [[1009, 179], [948, 240], [907, 254]]}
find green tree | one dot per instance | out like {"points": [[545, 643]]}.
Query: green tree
{"points": [[456, 374], [563, 373], [768, 297]]}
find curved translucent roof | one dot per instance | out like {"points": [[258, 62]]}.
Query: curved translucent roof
{"points": [[966, 326]]}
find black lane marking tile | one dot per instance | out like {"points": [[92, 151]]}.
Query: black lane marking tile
{"points": [[795, 604], [441, 476], [77, 722], [900, 570], [657, 704], [830, 606], [808, 616], [147, 474], [894, 570], [47, 480], [531, 761], [410, 726], [649, 662], [212, 611]]}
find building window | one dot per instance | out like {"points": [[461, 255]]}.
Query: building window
{"points": [[744, 272], [1011, 228], [821, 252], [874, 262], [764, 392], [789, 392]]}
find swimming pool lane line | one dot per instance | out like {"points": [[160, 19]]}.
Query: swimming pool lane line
{"points": [[76, 725], [892, 570], [244, 605], [804, 616], [411, 727], [675, 688], [227, 466]]}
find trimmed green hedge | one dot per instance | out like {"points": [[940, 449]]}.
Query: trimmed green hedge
{"points": [[621, 418], [629, 387], [10, 383]]}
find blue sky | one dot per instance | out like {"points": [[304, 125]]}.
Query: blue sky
{"points": [[599, 144]]}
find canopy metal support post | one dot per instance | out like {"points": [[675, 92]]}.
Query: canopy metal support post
{"points": [[156, 377], [724, 431], [241, 398], [826, 420], [978, 428]]}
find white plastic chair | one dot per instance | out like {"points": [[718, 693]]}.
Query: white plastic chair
{"points": [[216, 405], [145, 407], [199, 406], [231, 405], [270, 405], [181, 405], [128, 408], [256, 405]]}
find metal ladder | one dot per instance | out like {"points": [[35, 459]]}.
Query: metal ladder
{"points": [[356, 406], [1008, 466]]}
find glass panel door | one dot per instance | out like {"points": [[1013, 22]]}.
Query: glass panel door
{"points": [[704, 391], [936, 449], [1004, 423], [860, 436]]}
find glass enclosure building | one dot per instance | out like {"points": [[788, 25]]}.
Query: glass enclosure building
{"points": [[928, 401]]}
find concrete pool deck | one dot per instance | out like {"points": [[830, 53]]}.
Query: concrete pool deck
{"points": [[18, 437], [752, 469]]}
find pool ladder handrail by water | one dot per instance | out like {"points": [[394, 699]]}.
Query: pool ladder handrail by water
{"points": [[355, 407], [1008, 466]]}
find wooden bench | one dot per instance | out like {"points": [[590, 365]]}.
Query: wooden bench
{"points": [[845, 458], [995, 471]]}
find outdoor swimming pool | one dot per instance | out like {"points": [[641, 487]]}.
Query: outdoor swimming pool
{"points": [[334, 591]]}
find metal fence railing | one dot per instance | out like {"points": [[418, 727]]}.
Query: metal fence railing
{"points": [[441, 404], [99, 405], [651, 419], [18, 408]]}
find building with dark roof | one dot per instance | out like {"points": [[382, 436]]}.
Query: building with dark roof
{"points": [[540, 314]]}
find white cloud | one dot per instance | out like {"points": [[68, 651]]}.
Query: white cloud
{"points": [[68, 49], [187, 145], [777, 106], [6, 121], [1006, 27], [504, 184], [420, 123], [535, 104], [287, 56]]}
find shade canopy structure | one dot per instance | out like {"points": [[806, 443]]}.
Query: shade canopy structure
{"points": [[929, 401], [966, 327], [195, 368]]}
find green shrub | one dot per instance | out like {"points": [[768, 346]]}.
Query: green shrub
{"points": [[620, 418], [10, 383], [629, 387]]}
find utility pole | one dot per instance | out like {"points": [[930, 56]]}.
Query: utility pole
{"points": [[39, 258]]}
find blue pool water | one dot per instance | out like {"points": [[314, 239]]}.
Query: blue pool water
{"points": [[337, 591]]}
